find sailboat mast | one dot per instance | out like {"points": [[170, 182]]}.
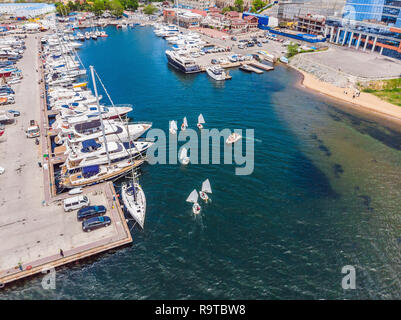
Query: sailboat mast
{"points": [[100, 114]]}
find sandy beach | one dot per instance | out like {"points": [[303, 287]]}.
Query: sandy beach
{"points": [[365, 101]]}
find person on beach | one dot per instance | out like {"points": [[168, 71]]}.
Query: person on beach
{"points": [[61, 253]]}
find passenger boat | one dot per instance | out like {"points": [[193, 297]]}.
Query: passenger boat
{"points": [[182, 62]]}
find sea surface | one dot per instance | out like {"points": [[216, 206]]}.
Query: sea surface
{"points": [[325, 192]]}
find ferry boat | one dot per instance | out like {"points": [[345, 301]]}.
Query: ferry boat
{"points": [[182, 62]]}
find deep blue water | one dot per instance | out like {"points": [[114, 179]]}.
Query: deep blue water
{"points": [[324, 192]]}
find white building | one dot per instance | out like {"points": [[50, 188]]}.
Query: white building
{"points": [[28, 10], [196, 4]]}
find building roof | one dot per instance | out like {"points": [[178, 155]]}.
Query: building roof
{"points": [[200, 12], [232, 14]]}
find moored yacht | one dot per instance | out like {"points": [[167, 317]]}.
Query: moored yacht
{"points": [[182, 62]]}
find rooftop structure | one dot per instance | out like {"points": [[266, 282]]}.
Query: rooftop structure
{"points": [[28, 10]]}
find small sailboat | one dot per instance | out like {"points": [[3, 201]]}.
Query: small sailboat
{"points": [[183, 157], [134, 201], [201, 120], [173, 127], [206, 188], [232, 138], [193, 197], [184, 124]]}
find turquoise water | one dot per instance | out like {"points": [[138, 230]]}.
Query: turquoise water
{"points": [[324, 193]]}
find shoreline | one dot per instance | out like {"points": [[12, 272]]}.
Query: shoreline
{"points": [[365, 103]]}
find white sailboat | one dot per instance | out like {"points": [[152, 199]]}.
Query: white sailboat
{"points": [[134, 201], [232, 138], [183, 156], [173, 127], [184, 124], [193, 197], [201, 121], [206, 188]]}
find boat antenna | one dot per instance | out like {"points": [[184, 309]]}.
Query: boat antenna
{"points": [[100, 113]]}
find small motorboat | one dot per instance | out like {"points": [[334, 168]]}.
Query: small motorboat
{"points": [[232, 138], [75, 191], [245, 68]]}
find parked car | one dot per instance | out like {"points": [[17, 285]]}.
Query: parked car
{"points": [[260, 44], [75, 203], [214, 61], [15, 113], [234, 38], [241, 46], [95, 223], [250, 44], [2, 170], [90, 212]]}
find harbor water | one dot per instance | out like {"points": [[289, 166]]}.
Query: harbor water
{"points": [[325, 192]]}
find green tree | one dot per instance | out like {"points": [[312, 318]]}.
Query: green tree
{"points": [[258, 4], [130, 4], [149, 9], [116, 8], [62, 10], [225, 9], [98, 7], [239, 5]]}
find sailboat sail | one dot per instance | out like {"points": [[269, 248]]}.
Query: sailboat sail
{"points": [[173, 125], [201, 119], [183, 153], [206, 186], [193, 197], [185, 123]]}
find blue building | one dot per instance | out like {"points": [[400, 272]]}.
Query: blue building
{"points": [[386, 11]]}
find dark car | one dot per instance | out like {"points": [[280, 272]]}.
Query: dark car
{"points": [[234, 38], [90, 212], [95, 223], [214, 61], [250, 44]]}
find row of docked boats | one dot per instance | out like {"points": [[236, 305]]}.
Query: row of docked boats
{"points": [[97, 141]]}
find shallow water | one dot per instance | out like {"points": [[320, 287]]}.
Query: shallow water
{"points": [[324, 192]]}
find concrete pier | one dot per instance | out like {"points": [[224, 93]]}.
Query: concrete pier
{"points": [[33, 224]]}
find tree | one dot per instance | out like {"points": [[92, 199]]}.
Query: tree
{"points": [[149, 9], [258, 4], [98, 7], [62, 10], [130, 4], [116, 8], [239, 5], [225, 9]]}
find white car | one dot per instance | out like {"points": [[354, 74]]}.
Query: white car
{"points": [[2, 170]]}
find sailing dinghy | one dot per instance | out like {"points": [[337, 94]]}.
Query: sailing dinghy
{"points": [[183, 157], [173, 127], [201, 120], [206, 188], [232, 138], [193, 197], [184, 124]]}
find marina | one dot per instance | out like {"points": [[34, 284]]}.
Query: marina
{"points": [[325, 182]]}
